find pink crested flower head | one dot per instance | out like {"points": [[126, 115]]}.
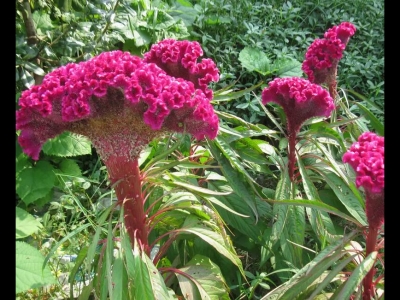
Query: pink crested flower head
{"points": [[299, 98], [323, 55], [343, 32], [366, 157], [181, 59], [119, 101], [321, 60]]}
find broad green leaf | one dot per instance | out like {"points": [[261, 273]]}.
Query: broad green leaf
{"points": [[29, 272], [254, 59], [246, 225], [138, 272], [34, 68], [160, 290], [183, 10], [287, 67], [196, 226], [25, 224], [36, 182], [120, 280], [232, 176], [70, 167], [347, 197], [249, 151], [294, 232], [68, 144], [208, 281], [42, 22]]}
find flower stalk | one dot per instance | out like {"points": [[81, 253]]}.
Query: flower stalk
{"points": [[366, 157]]}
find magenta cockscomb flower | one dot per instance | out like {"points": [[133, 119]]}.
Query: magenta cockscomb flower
{"points": [[343, 32], [367, 158], [300, 100], [323, 55], [179, 59], [122, 102]]}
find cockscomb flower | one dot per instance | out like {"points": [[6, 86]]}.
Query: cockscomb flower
{"points": [[300, 100], [121, 102], [321, 58], [366, 157], [323, 55], [180, 59], [343, 32], [113, 84]]}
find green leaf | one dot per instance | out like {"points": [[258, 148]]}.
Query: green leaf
{"points": [[68, 144], [232, 176], [70, 167], [323, 129], [194, 225], [347, 197], [208, 282], [36, 182], [28, 265], [356, 277], [160, 290], [228, 95], [317, 205], [25, 224], [287, 67], [320, 221], [34, 68], [139, 271], [375, 123], [120, 280], [254, 59], [42, 22]]}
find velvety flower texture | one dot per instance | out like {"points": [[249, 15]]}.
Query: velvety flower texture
{"points": [[366, 157], [323, 55], [120, 101], [299, 98]]}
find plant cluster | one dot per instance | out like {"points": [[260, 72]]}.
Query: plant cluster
{"points": [[136, 178]]}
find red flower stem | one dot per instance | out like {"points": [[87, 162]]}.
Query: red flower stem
{"points": [[372, 235], [292, 154], [126, 178]]}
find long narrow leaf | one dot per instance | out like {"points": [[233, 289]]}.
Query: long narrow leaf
{"points": [[234, 180], [356, 277]]}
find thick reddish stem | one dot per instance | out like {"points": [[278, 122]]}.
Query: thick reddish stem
{"points": [[368, 292], [125, 176]]}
